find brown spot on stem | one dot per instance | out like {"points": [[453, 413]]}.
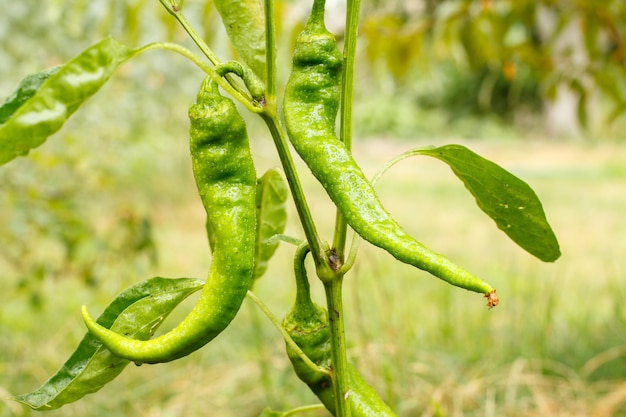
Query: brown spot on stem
{"points": [[333, 260]]}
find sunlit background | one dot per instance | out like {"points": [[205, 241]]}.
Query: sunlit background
{"points": [[537, 86]]}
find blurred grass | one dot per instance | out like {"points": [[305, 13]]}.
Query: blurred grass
{"points": [[555, 346]]}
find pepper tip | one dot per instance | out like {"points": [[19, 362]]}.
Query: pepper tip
{"points": [[492, 299]]}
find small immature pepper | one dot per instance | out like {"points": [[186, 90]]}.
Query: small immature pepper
{"points": [[226, 179], [307, 324], [311, 102]]}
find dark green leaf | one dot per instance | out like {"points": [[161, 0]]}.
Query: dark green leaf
{"points": [[508, 200], [136, 312], [25, 90], [44, 111], [271, 197]]}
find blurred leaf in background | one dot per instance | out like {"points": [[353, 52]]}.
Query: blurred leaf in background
{"points": [[87, 197], [514, 59]]}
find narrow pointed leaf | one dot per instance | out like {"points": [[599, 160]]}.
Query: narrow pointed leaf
{"points": [[271, 198], [136, 312], [41, 107], [508, 200]]}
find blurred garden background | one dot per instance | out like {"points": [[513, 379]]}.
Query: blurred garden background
{"points": [[538, 87]]}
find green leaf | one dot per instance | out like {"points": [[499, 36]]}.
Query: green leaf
{"points": [[136, 312], [508, 200], [51, 99], [244, 21], [271, 197], [25, 90]]}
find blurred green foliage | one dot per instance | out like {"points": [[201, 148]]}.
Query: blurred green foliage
{"points": [[502, 57], [86, 198], [463, 58]]}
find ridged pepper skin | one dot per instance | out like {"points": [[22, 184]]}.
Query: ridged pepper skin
{"points": [[226, 180], [310, 106]]}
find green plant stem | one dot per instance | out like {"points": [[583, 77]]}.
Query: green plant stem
{"points": [[283, 332], [180, 17], [334, 303], [349, 54], [285, 238], [347, 82], [270, 51], [233, 87], [333, 288], [303, 289], [174, 47], [246, 101], [270, 116]]}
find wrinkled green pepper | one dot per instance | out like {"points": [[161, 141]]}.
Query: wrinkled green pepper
{"points": [[311, 102], [226, 180]]}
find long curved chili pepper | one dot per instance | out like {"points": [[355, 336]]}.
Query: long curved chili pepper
{"points": [[226, 180], [310, 106]]}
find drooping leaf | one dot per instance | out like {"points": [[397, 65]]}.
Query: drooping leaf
{"points": [[271, 197], [508, 200], [244, 21], [136, 312], [52, 98]]}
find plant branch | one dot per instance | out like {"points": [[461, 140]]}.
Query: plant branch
{"points": [[265, 309], [232, 86], [349, 54], [270, 116], [175, 10], [334, 303], [244, 99]]}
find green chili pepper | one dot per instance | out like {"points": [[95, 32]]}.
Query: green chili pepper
{"points": [[310, 105], [226, 180], [307, 325]]}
